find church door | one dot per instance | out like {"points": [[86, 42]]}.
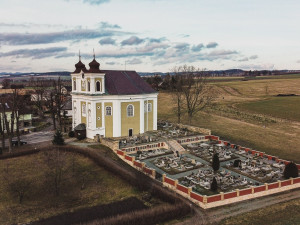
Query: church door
{"points": [[130, 132]]}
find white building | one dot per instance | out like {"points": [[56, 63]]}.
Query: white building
{"points": [[112, 103]]}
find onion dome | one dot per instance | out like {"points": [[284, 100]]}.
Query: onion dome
{"points": [[94, 66], [80, 67]]}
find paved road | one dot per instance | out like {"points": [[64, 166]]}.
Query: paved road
{"points": [[35, 137]]}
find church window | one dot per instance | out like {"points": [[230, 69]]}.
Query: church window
{"points": [[74, 85], [130, 111], [89, 86], [83, 109], [108, 111], [98, 107], [98, 86], [149, 107]]}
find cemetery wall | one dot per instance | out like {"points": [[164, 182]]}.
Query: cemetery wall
{"points": [[222, 198]]}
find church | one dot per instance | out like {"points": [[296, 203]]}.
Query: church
{"points": [[112, 103]]}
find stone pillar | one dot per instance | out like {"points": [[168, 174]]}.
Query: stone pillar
{"points": [[176, 182], [222, 196], [163, 177], [279, 183], [267, 188], [189, 191], [204, 199], [237, 192], [133, 158], [292, 180], [153, 173], [252, 189]]}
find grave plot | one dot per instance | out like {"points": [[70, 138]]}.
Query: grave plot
{"points": [[172, 164], [141, 155], [206, 151], [257, 167]]}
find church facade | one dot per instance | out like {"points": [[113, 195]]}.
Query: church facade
{"points": [[112, 103]]}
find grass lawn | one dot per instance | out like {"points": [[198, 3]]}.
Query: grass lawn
{"points": [[83, 184], [279, 214], [281, 107]]}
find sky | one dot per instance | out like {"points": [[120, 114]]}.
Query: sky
{"points": [[149, 35]]}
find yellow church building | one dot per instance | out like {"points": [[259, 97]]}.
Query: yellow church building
{"points": [[112, 103]]}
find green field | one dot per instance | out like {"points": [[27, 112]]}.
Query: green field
{"points": [[280, 214], [84, 184], [281, 107]]}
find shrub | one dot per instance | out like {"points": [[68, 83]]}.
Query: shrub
{"points": [[216, 162], [214, 185], [237, 163], [71, 133], [290, 170], [58, 138]]}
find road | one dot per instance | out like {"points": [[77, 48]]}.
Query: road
{"points": [[35, 137]]}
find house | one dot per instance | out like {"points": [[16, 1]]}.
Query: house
{"points": [[66, 90], [25, 119], [67, 108], [112, 103]]}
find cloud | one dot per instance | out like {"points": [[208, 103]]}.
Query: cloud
{"points": [[110, 63], [106, 25], [134, 61], [182, 47], [65, 55], [197, 48], [156, 40], [53, 37], [257, 66], [243, 59], [298, 61], [212, 45], [107, 41], [37, 53], [133, 40], [253, 57], [95, 2]]}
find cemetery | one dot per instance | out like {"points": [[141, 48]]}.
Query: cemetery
{"points": [[185, 161]]}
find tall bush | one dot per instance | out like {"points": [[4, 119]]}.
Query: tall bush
{"points": [[216, 162], [58, 138], [290, 170]]}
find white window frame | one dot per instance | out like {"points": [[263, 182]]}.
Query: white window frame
{"points": [[127, 112], [110, 111], [100, 86], [83, 109], [149, 107], [88, 86]]}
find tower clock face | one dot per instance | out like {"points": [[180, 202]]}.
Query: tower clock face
{"points": [[82, 75]]}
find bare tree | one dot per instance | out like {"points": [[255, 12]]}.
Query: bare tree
{"points": [[56, 169], [17, 183], [40, 86], [2, 134], [195, 89], [5, 122], [176, 86]]}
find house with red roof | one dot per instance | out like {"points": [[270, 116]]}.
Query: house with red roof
{"points": [[112, 103]]}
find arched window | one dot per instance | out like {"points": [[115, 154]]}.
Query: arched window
{"points": [[108, 111], [130, 111], [149, 107], [98, 86], [74, 85], [83, 109], [89, 86]]}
